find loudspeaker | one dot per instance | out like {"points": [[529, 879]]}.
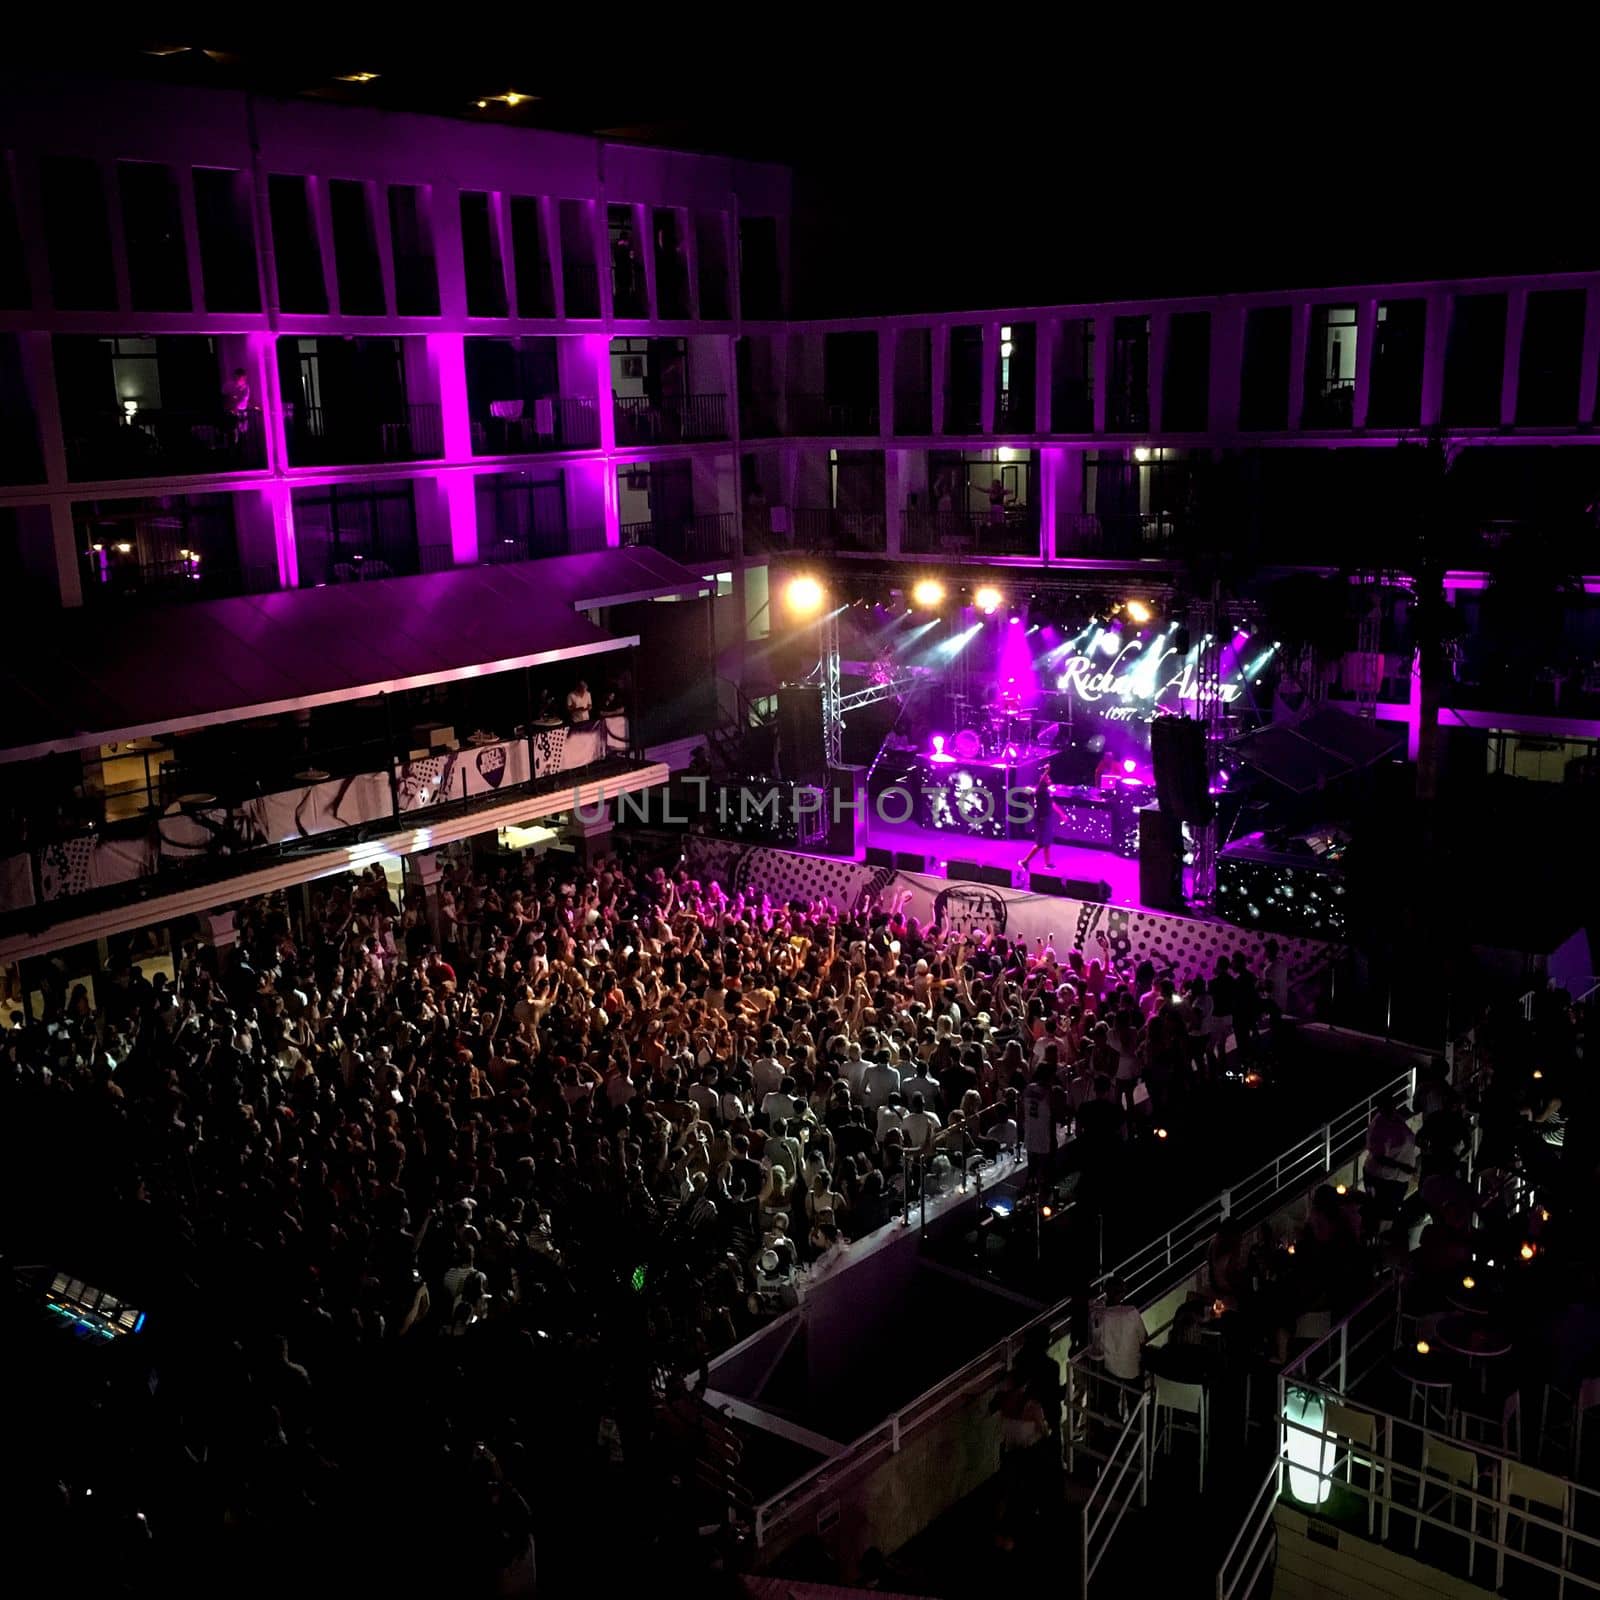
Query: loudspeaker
{"points": [[877, 856], [973, 873], [1160, 860], [1072, 888], [801, 756], [1178, 754]]}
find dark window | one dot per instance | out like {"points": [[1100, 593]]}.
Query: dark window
{"points": [[1072, 378], [760, 271], [298, 256], [416, 279], [1330, 368], [1264, 381], [1128, 408], [355, 250], [580, 281], [15, 294], [672, 267], [627, 263], [480, 247], [530, 258], [963, 394], [1474, 361], [77, 234], [711, 239], [521, 515], [20, 461], [227, 240], [1186, 383], [349, 532], [1552, 357], [1395, 400], [152, 224], [1014, 379]]}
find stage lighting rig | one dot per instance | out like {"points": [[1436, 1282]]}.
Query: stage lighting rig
{"points": [[804, 596], [988, 599], [928, 594]]}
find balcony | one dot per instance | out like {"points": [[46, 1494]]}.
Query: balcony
{"points": [[971, 533], [112, 581], [913, 414], [1072, 407], [682, 420], [523, 427], [320, 437], [154, 444], [713, 537], [843, 532], [1126, 536], [760, 416], [1013, 413], [1331, 404], [963, 413], [817, 414], [537, 543]]}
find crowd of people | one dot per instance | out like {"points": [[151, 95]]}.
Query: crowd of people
{"points": [[579, 1120]]}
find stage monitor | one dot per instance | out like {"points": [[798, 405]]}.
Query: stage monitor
{"points": [[1097, 891], [973, 872]]}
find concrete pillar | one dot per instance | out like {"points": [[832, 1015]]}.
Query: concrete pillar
{"points": [[887, 338], [894, 499], [322, 222], [1435, 339], [590, 834], [1516, 319], [1050, 464], [191, 247], [119, 234], [383, 235], [1046, 332], [64, 540], [1366, 348]]}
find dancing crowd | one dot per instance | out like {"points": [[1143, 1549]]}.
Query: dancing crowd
{"points": [[530, 1157]]}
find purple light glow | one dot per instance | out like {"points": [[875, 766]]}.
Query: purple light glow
{"points": [[938, 744]]}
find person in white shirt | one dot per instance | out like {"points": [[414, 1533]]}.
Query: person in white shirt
{"points": [[781, 1103], [1122, 1336], [920, 1125], [1039, 1122], [1275, 978], [768, 1074], [921, 1082], [891, 1115], [704, 1095], [878, 1082], [854, 1071], [579, 703]]}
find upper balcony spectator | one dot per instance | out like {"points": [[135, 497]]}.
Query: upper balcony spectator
{"points": [[146, 408], [662, 391], [172, 548], [976, 504], [513, 393], [628, 297], [349, 401]]}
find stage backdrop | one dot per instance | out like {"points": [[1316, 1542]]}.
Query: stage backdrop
{"points": [[1185, 944]]}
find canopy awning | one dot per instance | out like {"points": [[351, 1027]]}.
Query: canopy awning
{"points": [[1310, 754], [79, 678]]}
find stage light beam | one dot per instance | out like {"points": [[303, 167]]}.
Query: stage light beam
{"points": [[803, 597]]}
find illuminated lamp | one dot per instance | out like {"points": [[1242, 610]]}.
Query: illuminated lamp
{"points": [[1308, 1450], [1141, 452], [1527, 1252], [938, 744], [1138, 611], [928, 592], [1130, 765], [803, 596], [987, 599]]}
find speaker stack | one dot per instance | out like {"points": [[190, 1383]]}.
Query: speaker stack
{"points": [[802, 755]]}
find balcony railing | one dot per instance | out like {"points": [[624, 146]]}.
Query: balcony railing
{"points": [[1015, 532], [680, 420], [713, 537], [1013, 413], [839, 531], [319, 436], [186, 578], [913, 414], [1131, 536], [150, 444], [818, 414], [963, 413], [1330, 404], [524, 427], [537, 543], [582, 285]]}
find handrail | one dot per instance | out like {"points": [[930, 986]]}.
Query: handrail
{"points": [[1136, 1436], [1257, 1520], [911, 1415]]}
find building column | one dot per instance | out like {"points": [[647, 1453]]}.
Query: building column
{"points": [[1436, 335], [1050, 459], [447, 375], [191, 246], [1104, 328], [220, 930], [322, 222], [1516, 319], [1366, 349], [894, 500], [119, 234], [589, 834], [989, 388], [1069, 497], [39, 379]]}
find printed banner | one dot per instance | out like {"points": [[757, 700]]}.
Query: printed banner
{"points": [[461, 774]]}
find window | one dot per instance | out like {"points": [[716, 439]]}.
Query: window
{"points": [[345, 533], [1330, 368], [1264, 380], [760, 270], [711, 243], [227, 240], [521, 515], [530, 258], [1186, 383], [416, 278], [77, 234], [152, 225], [1552, 356], [580, 281], [672, 268], [1128, 408], [1474, 361], [1072, 378], [355, 250], [1395, 398], [298, 255], [480, 246], [627, 264]]}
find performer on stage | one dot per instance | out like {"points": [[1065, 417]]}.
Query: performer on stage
{"points": [[1045, 812]]}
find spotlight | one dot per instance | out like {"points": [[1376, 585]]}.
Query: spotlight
{"points": [[987, 599], [1138, 611], [1527, 1252], [928, 593], [1016, 622], [803, 596], [1130, 765], [1141, 453]]}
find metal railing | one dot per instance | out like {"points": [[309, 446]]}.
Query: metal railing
{"points": [[913, 414], [184, 578], [549, 422], [1113, 1493], [322, 437], [713, 537], [534, 544], [643, 421], [149, 443], [1134, 535], [1171, 1256], [828, 529], [581, 282], [1015, 532], [821, 414]]}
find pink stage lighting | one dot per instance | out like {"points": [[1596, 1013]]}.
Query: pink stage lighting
{"points": [[938, 744]]}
